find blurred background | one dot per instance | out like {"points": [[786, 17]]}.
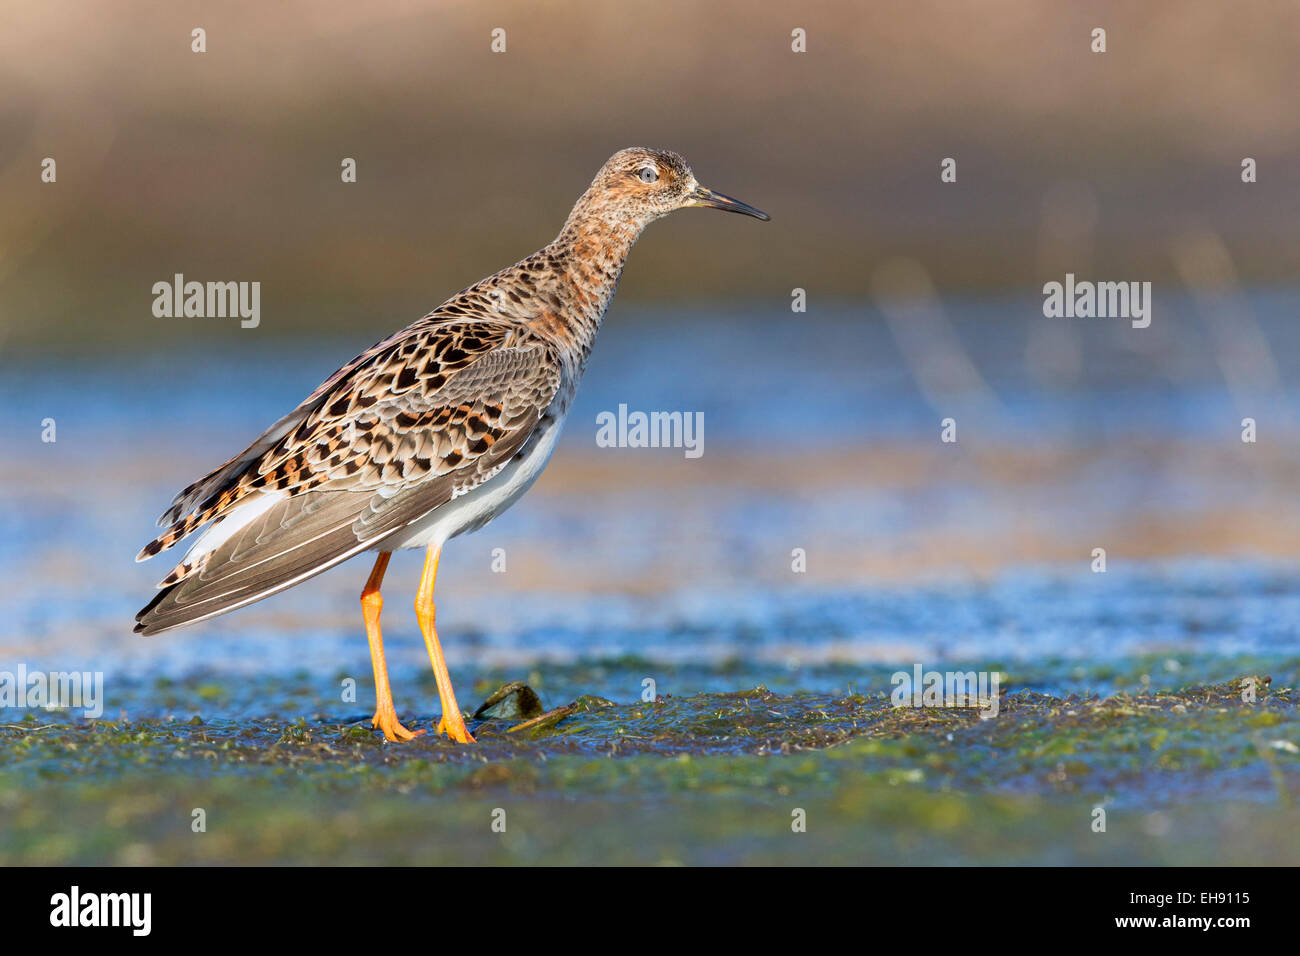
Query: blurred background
{"points": [[227, 163], [821, 427]]}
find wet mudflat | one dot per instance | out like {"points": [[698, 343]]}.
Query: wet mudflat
{"points": [[1190, 776]]}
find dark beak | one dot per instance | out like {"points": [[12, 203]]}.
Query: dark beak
{"points": [[707, 197]]}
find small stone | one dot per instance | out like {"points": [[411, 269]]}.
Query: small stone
{"points": [[513, 701]]}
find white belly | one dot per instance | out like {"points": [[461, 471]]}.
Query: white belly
{"points": [[476, 508]]}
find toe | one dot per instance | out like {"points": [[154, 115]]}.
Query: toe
{"points": [[393, 729]]}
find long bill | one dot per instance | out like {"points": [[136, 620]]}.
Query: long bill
{"points": [[707, 197]]}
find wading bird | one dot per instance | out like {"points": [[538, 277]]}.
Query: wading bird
{"points": [[431, 433]]}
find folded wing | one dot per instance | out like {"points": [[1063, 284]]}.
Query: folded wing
{"points": [[423, 417]]}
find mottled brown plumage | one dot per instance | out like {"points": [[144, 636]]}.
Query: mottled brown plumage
{"points": [[402, 445]]}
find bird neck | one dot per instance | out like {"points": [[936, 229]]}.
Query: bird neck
{"points": [[596, 246], [591, 251]]}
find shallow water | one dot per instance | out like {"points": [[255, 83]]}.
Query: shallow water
{"points": [[631, 565], [816, 437]]}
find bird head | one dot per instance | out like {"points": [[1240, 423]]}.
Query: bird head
{"points": [[643, 185]]}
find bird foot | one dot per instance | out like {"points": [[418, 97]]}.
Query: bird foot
{"points": [[386, 720], [455, 729]]}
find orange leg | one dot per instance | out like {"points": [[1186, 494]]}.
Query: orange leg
{"points": [[453, 721], [371, 604]]}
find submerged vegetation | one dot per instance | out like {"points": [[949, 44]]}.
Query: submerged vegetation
{"points": [[1196, 775]]}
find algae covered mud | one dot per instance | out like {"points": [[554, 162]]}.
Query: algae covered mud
{"points": [[1204, 774]]}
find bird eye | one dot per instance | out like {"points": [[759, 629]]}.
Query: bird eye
{"points": [[647, 174]]}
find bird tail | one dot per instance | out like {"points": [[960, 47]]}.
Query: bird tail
{"points": [[271, 549]]}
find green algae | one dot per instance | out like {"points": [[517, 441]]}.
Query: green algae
{"points": [[1194, 775]]}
